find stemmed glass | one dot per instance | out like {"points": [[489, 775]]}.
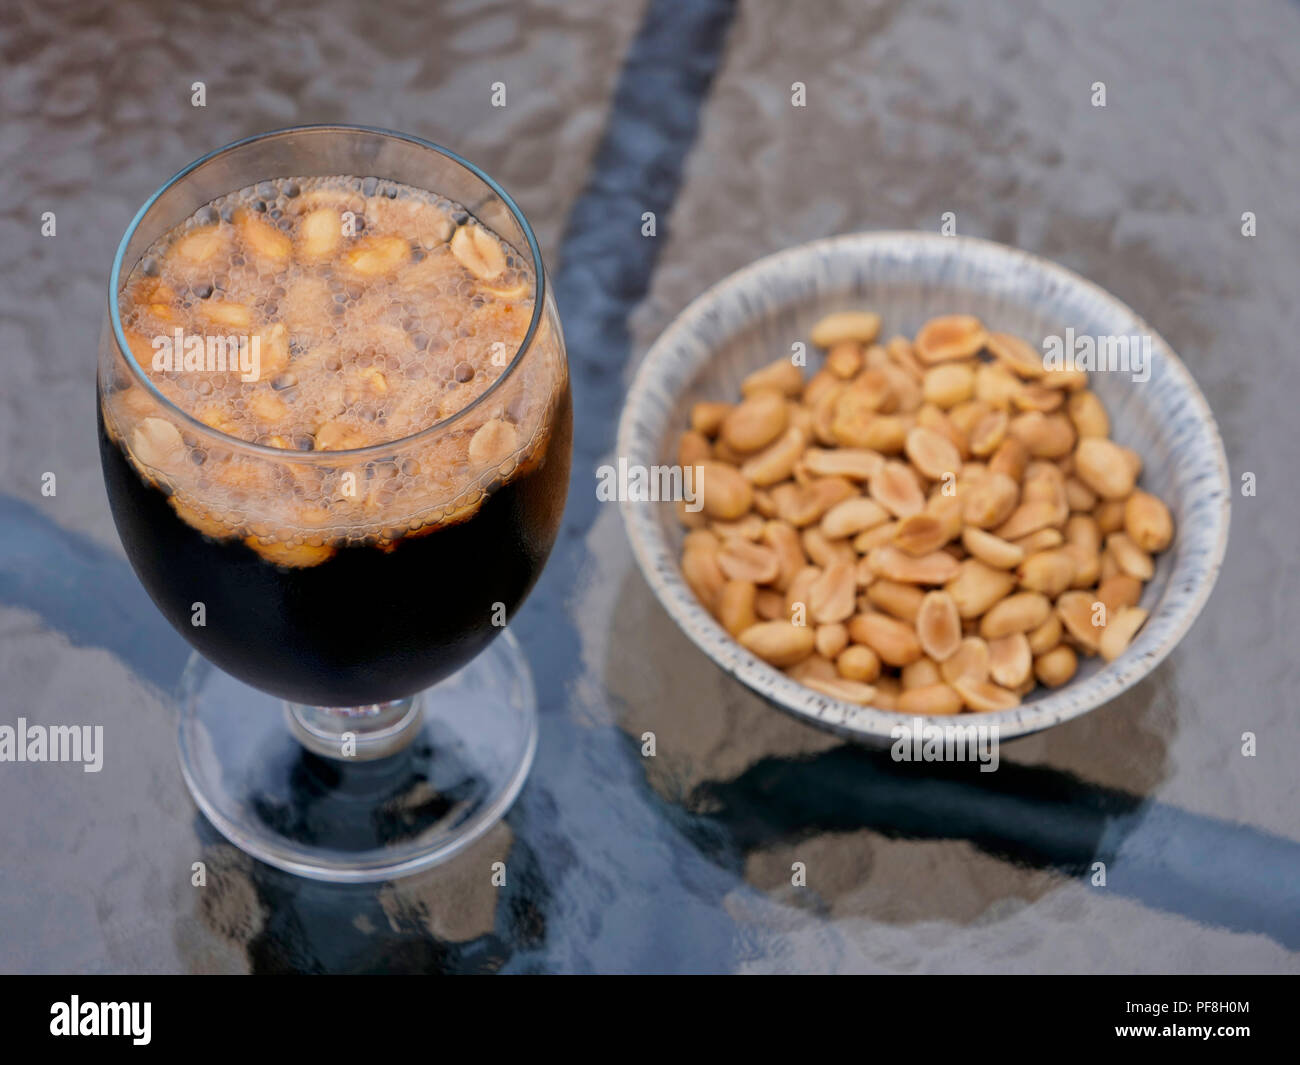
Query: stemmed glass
{"points": [[367, 715]]}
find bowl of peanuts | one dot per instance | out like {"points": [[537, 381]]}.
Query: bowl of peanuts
{"points": [[897, 475]]}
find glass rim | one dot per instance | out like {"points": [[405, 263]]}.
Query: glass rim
{"points": [[325, 457]]}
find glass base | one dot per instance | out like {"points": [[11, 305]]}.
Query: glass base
{"points": [[441, 769]]}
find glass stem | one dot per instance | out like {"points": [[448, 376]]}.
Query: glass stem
{"points": [[355, 733]]}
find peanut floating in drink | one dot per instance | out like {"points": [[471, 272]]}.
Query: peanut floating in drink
{"points": [[331, 314]]}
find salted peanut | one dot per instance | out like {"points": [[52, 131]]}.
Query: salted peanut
{"points": [[950, 336], [970, 662], [764, 504], [781, 375], [221, 312], [319, 234], [976, 587], [1109, 515], [984, 696], [1082, 529], [831, 639], [995, 386], [991, 550], [800, 417], [1120, 630], [1046, 636], [263, 239], [701, 538], [495, 441], [379, 255], [736, 606], [813, 667], [849, 691], [990, 501], [853, 516], [928, 416], [779, 643], [1102, 465], [782, 538], [201, 245], [859, 663], [1010, 660], [1049, 572], [1133, 459], [707, 418], [922, 534], [775, 463], [833, 595], [1079, 496], [1025, 519], [938, 626], [1016, 355], [724, 493], [693, 448], [803, 504], [844, 359], [893, 641], [267, 406], [866, 541], [704, 576], [692, 519], [948, 384], [1021, 612], [895, 487], [889, 562], [742, 560], [796, 595], [899, 350], [905, 392], [821, 384], [824, 410], [724, 452], [933, 454], [288, 554], [769, 605], [860, 326], [157, 443], [857, 464], [1119, 591], [1010, 459], [1041, 540], [1038, 397], [1055, 667], [477, 252], [855, 409], [886, 433], [756, 421], [1075, 609], [902, 601], [1045, 436], [920, 673], [1088, 415], [824, 551], [987, 434], [930, 699], [1131, 558], [1147, 522], [1087, 565]]}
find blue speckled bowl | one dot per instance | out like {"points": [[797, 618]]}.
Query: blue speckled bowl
{"points": [[752, 317]]}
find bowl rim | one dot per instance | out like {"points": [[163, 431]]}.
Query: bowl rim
{"points": [[869, 724]]}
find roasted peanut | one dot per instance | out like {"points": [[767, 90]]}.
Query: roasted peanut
{"points": [[893, 641], [779, 643], [1049, 572], [741, 560], [781, 375], [850, 691], [948, 384], [831, 639], [991, 550], [919, 674], [755, 422], [1010, 660], [903, 601], [889, 562], [932, 453], [858, 662], [1075, 609], [1103, 467], [833, 595], [938, 626], [693, 448], [776, 462], [895, 487], [853, 516], [952, 336], [1148, 522], [990, 501], [707, 418], [1131, 558], [724, 493], [1057, 666], [803, 504], [1120, 630], [854, 463], [931, 699], [1015, 355], [983, 696], [736, 606], [1046, 636], [1021, 612], [861, 327]]}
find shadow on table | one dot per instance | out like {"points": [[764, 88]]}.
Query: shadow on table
{"points": [[757, 791]]}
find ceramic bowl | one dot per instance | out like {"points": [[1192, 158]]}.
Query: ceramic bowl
{"points": [[755, 315]]}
